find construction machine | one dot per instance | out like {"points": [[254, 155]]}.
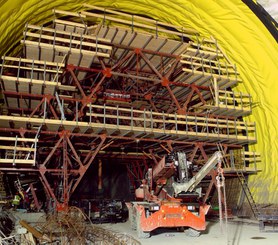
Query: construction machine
{"points": [[170, 196]]}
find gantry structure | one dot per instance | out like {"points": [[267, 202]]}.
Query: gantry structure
{"points": [[106, 85]]}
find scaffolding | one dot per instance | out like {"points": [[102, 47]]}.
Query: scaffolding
{"points": [[92, 83]]}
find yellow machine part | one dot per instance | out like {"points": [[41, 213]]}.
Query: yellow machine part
{"points": [[237, 29]]}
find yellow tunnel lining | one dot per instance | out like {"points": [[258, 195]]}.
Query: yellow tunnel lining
{"points": [[240, 33]]}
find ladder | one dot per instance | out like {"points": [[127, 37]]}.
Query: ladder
{"points": [[19, 188], [244, 184], [248, 193], [224, 158]]}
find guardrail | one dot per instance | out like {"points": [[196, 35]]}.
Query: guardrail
{"points": [[191, 125]]}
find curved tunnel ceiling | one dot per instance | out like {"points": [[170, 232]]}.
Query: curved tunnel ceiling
{"points": [[240, 33]]}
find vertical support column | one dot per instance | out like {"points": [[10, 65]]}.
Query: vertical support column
{"points": [[100, 187], [43, 170], [65, 172], [36, 202], [15, 145], [216, 91]]}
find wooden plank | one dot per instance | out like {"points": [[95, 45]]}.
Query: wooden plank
{"points": [[204, 52], [67, 40], [69, 23], [227, 107], [17, 161], [124, 129], [18, 148], [222, 52], [237, 94], [239, 100], [206, 40], [201, 46], [68, 13], [34, 53], [18, 139], [29, 80], [35, 69], [70, 28], [198, 65], [217, 76], [136, 24], [136, 17], [252, 159], [9, 79], [215, 61], [89, 37], [251, 153], [226, 111], [37, 62], [64, 49], [66, 87], [245, 169], [34, 231]]}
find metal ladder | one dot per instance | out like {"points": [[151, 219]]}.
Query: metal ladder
{"points": [[19, 188], [248, 193], [243, 182], [224, 159]]}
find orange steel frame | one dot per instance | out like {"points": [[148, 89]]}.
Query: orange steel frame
{"points": [[62, 158]]}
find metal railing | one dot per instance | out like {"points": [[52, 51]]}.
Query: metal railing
{"points": [[191, 125], [243, 160]]}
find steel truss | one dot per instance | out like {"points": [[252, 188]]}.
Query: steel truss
{"points": [[116, 93]]}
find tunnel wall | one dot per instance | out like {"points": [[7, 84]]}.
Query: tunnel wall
{"points": [[240, 33]]}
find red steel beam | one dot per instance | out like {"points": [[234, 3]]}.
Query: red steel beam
{"points": [[36, 202], [147, 51], [180, 111], [188, 99], [74, 151], [84, 168], [201, 147], [43, 165], [70, 68], [145, 58]]}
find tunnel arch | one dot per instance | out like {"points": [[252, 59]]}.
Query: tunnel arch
{"points": [[237, 29]]}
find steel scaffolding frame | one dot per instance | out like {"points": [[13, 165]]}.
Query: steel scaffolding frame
{"points": [[93, 89]]}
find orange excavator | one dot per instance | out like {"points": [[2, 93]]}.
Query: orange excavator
{"points": [[169, 196]]}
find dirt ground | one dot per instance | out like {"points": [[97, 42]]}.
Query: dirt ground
{"points": [[238, 232]]}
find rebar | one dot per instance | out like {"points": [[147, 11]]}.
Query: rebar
{"points": [[74, 227]]}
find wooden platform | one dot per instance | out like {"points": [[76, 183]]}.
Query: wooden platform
{"points": [[60, 45], [17, 150], [153, 124]]}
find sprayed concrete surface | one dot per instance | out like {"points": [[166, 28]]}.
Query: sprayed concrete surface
{"points": [[238, 233]]}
